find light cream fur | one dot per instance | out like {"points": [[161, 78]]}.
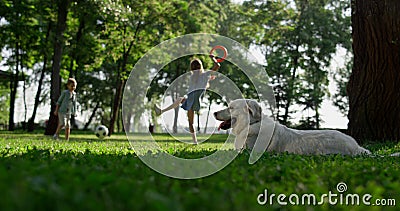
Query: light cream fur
{"points": [[249, 124]]}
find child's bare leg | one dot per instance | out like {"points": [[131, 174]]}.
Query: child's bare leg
{"points": [[191, 128], [56, 134], [58, 129], [172, 106], [67, 132]]}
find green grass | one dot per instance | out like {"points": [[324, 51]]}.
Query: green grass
{"points": [[38, 173]]}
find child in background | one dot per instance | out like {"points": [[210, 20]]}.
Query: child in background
{"points": [[65, 107], [198, 84]]}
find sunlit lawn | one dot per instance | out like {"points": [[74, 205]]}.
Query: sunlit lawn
{"points": [[38, 173]]}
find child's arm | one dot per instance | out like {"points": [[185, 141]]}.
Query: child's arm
{"points": [[216, 64], [74, 105], [56, 111], [59, 101]]}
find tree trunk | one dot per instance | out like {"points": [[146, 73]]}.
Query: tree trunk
{"points": [[175, 96], [120, 120], [198, 122], [208, 115], [317, 118], [121, 82], [295, 57], [374, 112], [74, 58], [14, 87], [291, 83], [116, 105], [73, 73], [24, 98], [92, 116], [31, 121], [55, 75], [127, 122], [175, 124], [176, 113]]}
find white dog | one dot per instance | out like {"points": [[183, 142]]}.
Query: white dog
{"points": [[249, 124]]}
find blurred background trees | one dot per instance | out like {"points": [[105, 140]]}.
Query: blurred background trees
{"points": [[98, 42]]}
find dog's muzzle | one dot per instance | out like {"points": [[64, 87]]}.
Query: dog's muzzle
{"points": [[226, 119]]}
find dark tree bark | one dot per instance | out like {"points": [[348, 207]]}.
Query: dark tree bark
{"points": [[295, 57], [73, 73], [208, 115], [116, 105], [92, 116], [175, 125], [14, 79], [127, 121], [121, 82], [373, 87], [31, 121], [175, 95], [198, 122], [14, 87], [55, 75]]}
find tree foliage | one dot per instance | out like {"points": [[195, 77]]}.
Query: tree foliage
{"points": [[300, 39], [103, 39]]}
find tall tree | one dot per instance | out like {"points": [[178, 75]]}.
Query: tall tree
{"points": [[341, 76], [44, 25], [56, 64], [142, 25], [84, 44], [10, 15], [373, 91], [18, 36], [299, 42]]}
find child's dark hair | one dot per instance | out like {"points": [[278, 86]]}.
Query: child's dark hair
{"points": [[71, 80], [196, 64]]}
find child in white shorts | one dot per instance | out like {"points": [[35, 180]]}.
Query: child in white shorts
{"points": [[65, 107]]}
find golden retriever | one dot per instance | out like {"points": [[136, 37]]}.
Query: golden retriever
{"points": [[258, 132]]}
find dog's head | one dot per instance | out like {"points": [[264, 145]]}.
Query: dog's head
{"points": [[239, 112]]}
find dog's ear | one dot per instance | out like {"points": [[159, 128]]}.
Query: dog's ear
{"points": [[254, 109]]}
